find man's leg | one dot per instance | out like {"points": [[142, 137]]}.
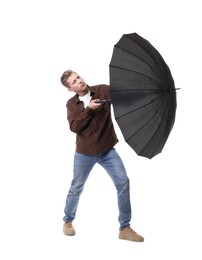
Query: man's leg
{"points": [[116, 170], [83, 164], [113, 164]]}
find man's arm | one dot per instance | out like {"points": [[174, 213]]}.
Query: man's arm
{"points": [[79, 120]]}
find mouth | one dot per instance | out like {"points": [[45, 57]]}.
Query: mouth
{"points": [[83, 84]]}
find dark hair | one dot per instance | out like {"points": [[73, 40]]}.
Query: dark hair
{"points": [[65, 77]]}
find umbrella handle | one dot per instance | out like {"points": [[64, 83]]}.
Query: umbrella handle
{"points": [[102, 101]]}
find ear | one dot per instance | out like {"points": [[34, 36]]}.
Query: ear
{"points": [[69, 89]]}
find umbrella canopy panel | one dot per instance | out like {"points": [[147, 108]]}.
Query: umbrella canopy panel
{"points": [[143, 94]]}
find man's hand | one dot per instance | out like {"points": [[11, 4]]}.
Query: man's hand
{"points": [[93, 105]]}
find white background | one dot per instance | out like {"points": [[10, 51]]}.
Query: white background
{"points": [[40, 40]]}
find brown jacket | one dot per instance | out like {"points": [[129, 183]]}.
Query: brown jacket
{"points": [[94, 129]]}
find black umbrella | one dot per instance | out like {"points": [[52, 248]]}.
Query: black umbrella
{"points": [[143, 94]]}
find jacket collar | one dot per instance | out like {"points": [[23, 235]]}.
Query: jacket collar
{"points": [[92, 92]]}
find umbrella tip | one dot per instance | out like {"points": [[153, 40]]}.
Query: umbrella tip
{"points": [[173, 89]]}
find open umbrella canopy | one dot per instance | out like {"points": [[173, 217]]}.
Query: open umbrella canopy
{"points": [[143, 94]]}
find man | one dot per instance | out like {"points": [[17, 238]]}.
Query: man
{"points": [[95, 141]]}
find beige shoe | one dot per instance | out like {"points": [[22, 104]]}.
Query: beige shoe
{"points": [[68, 229], [129, 234]]}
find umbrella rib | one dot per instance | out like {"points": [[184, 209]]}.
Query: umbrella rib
{"points": [[146, 124], [159, 56], [155, 131], [146, 89], [141, 127], [118, 47], [138, 90], [153, 100], [158, 83]]}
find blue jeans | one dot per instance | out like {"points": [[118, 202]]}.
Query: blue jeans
{"points": [[113, 165]]}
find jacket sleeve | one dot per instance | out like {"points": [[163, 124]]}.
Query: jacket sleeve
{"points": [[78, 120]]}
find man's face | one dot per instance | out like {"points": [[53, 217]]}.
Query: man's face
{"points": [[77, 84]]}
